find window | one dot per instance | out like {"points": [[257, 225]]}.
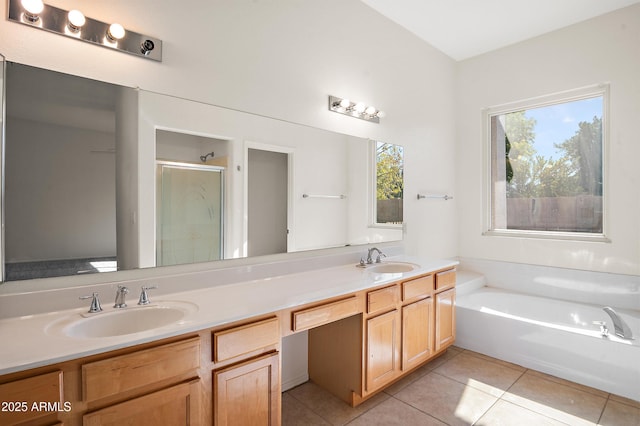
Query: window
{"points": [[547, 166], [389, 184]]}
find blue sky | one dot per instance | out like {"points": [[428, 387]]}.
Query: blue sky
{"points": [[557, 123]]}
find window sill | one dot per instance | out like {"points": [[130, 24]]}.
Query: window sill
{"points": [[398, 226], [548, 235]]}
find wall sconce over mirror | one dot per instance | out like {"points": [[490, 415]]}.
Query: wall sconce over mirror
{"points": [[355, 109], [74, 23]]}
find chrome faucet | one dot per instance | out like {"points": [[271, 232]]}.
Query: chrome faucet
{"points": [[621, 328], [121, 293], [380, 254]]}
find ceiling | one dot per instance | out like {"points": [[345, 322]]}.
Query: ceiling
{"points": [[466, 28]]}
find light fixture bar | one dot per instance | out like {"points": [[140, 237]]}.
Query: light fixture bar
{"points": [[93, 31], [355, 109]]}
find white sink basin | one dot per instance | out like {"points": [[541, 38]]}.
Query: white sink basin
{"points": [[123, 321], [393, 268]]}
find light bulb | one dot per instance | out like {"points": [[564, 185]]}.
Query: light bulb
{"points": [[381, 114], [345, 103], [76, 20], [115, 32], [360, 107], [370, 110], [32, 8]]}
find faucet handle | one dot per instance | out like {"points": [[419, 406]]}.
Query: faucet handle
{"points": [[380, 255], [144, 297], [95, 303]]}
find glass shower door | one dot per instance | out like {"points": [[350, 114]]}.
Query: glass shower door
{"points": [[189, 213]]}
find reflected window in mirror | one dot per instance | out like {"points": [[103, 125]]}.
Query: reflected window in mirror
{"points": [[388, 160]]}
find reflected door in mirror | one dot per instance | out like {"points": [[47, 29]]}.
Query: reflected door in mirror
{"points": [[267, 202]]}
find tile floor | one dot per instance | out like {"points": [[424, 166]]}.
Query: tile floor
{"points": [[465, 388]]}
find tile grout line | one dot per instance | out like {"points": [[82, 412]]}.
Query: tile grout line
{"points": [[604, 407], [423, 412], [500, 397]]}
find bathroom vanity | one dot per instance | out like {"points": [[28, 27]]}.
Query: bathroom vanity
{"points": [[220, 364]]}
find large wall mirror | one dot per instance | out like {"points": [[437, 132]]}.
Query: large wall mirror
{"points": [[100, 178]]}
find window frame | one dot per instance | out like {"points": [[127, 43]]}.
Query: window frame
{"points": [[594, 91]]}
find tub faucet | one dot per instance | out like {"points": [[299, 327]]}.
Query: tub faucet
{"points": [[621, 328], [121, 293], [380, 254]]}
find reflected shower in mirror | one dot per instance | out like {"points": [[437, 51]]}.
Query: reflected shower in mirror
{"points": [[190, 198], [189, 213]]}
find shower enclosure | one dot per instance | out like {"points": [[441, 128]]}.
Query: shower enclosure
{"points": [[189, 213]]}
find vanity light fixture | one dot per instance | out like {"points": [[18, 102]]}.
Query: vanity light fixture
{"points": [[75, 24], [355, 109]]}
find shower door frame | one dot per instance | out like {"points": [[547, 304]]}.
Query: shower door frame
{"points": [[192, 166]]}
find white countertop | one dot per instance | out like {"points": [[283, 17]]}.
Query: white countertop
{"points": [[34, 340]]}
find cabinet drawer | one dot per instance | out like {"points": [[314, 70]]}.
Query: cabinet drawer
{"points": [[125, 372], [385, 298], [324, 314], [175, 406], [418, 288], [244, 339], [43, 388], [445, 279]]}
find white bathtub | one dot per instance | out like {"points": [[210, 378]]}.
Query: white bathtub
{"points": [[553, 336]]}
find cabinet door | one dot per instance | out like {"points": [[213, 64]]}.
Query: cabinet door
{"points": [[445, 318], [383, 349], [417, 333], [174, 406], [248, 393]]}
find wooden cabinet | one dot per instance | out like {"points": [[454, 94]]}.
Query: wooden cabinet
{"points": [[18, 398], [382, 300], [445, 318], [245, 339], [418, 288], [324, 314], [248, 393], [383, 349], [445, 280], [117, 375], [403, 326], [174, 406], [246, 390], [417, 333]]}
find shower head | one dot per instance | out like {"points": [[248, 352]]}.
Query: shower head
{"points": [[204, 157]]}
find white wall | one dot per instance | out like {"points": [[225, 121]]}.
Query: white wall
{"points": [[282, 59], [601, 50]]}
